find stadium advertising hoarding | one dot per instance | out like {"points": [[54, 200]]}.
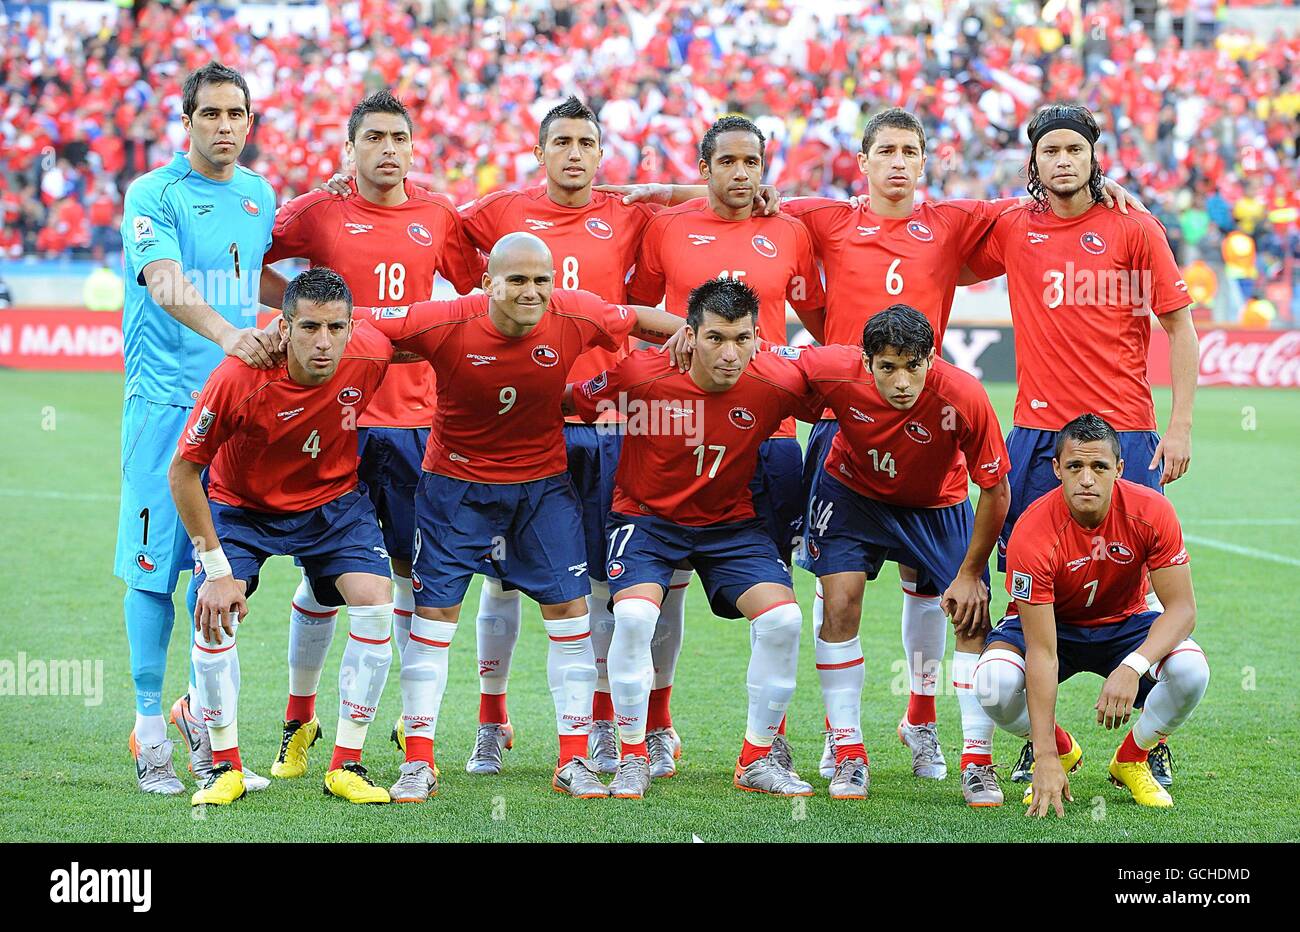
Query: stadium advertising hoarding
{"points": [[83, 340]]}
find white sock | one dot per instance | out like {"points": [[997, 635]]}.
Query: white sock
{"points": [[976, 726], [1000, 688], [925, 630], [150, 730], [311, 631], [571, 673], [631, 671], [403, 609], [216, 682], [666, 647], [424, 675], [364, 671], [602, 631], [842, 672], [1181, 680], [770, 679], [819, 609], [497, 626]]}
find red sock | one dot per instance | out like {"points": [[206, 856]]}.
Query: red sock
{"points": [[342, 755], [602, 707], [635, 750], [849, 751], [752, 752], [982, 760], [419, 749], [572, 746], [1063, 741], [1129, 752], [300, 708], [920, 709], [492, 709], [231, 755], [659, 715], [781, 729]]}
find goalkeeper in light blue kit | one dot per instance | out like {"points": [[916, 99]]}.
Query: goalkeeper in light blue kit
{"points": [[193, 232]]}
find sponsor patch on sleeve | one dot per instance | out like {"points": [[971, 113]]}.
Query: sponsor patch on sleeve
{"points": [[787, 352], [1022, 586], [388, 313], [143, 228], [596, 385]]}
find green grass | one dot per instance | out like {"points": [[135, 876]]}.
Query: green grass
{"points": [[65, 774]]}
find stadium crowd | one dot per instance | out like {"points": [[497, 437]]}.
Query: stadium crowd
{"points": [[1207, 134]]}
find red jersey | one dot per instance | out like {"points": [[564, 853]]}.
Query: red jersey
{"points": [[274, 445], [594, 246], [689, 455], [690, 244], [499, 397], [872, 262], [918, 458], [387, 255], [1081, 292], [1093, 576]]}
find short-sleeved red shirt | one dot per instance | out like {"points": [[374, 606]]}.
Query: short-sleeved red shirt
{"points": [[499, 397], [277, 446], [1093, 576]]}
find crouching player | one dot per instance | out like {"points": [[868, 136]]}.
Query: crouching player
{"points": [[281, 447], [1076, 568], [682, 492], [893, 487]]}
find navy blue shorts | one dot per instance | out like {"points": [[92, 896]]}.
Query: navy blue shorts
{"points": [[390, 468], [730, 558], [593, 459], [338, 537], [849, 533], [777, 491], [526, 534], [819, 447], [1099, 649], [1031, 476]]}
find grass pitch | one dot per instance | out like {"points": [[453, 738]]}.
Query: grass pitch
{"points": [[65, 774]]}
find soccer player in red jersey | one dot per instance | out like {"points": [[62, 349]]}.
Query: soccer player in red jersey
{"points": [[893, 487], [593, 236], [495, 497], [1078, 563], [388, 242], [281, 448], [724, 235], [683, 494], [1083, 282]]}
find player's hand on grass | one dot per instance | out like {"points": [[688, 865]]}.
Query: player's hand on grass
{"points": [[1116, 195], [1175, 452], [1051, 788], [338, 185], [253, 346], [651, 193], [966, 602], [679, 349], [1115, 704], [220, 606]]}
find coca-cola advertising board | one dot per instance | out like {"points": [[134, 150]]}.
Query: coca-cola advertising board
{"points": [[1243, 358]]}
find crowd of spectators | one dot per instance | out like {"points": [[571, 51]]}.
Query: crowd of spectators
{"points": [[1205, 130]]}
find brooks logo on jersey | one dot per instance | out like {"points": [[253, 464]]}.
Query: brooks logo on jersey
{"points": [[700, 239], [477, 360], [868, 231], [355, 228], [535, 225]]}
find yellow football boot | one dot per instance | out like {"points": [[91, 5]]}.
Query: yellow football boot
{"points": [[350, 782], [1071, 761], [223, 787], [1136, 777], [291, 762]]}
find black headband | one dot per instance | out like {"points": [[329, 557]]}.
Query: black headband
{"points": [[1083, 129]]}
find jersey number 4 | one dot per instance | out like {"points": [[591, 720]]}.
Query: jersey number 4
{"points": [[312, 445]]}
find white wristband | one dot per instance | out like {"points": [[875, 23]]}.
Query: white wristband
{"points": [[215, 564], [1137, 662]]}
